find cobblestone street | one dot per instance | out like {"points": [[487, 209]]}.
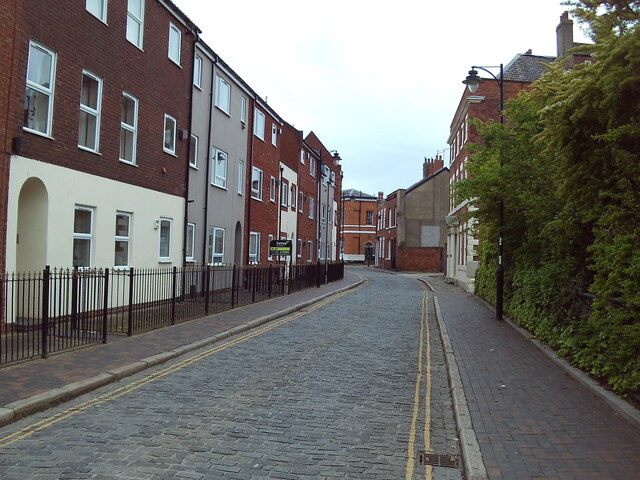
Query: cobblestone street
{"points": [[342, 389]]}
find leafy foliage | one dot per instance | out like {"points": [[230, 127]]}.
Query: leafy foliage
{"points": [[567, 166]]}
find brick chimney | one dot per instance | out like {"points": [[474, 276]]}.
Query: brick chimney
{"points": [[432, 165], [564, 34], [380, 198]]}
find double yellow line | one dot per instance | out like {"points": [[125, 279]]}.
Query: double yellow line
{"points": [[424, 373], [107, 397]]}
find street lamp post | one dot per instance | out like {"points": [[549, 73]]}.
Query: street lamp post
{"points": [[473, 82]]}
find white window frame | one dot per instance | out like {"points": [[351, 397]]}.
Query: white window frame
{"points": [[174, 47], [223, 94], [294, 197], [47, 90], [254, 244], [90, 111], [312, 207], [299, 249], [368, 217], [272, 189], [258, 124], [274, 134], [85, 236], [300, 201], [310, 248], [302, 152], [284, 193], [216, 257], [243, 110], [193, 151], [270, 257], [197, 72], [240, 177], [134, 19], [312, 166], [126, 239], [256, 192], [169, 147], [220, 163], [101, 12], [190, 244], [132, 129], [169, 223]]}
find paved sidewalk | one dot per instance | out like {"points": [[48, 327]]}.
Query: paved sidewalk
{"points": [[532, 419], [39, 384]]}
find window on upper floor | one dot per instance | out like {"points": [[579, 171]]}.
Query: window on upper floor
{"points": [[197, 71], [272, 189], [175, 43], [193, 151], [169, 145], [135, 22], [369, 217], [219, 170], [312, 166], [223, 95], [269, 240], [90, 110], [258, 124], [128, 128], [256, 183], [243, 110], [300, 201], [240, 177], [97, 8], [38, 102], [294, 197], [284, 194], [274, 135], [312, 208], [122, 239], [302, 156]]}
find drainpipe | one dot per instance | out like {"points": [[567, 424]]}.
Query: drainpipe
{"points": [[249, 182], [188, 168], [205, 229]]}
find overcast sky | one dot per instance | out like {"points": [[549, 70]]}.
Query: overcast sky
{"points": [[377, 81]]}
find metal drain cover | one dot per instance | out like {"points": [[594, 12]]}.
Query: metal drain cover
{"points": [[435, 460]]}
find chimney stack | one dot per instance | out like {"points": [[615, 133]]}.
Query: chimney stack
{"points": [[564, 34], [432, 165]]}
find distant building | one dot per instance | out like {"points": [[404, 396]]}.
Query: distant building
{"points": [[358, 228], [411, 223]]}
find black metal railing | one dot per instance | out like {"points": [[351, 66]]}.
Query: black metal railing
{"points": [[57, 310]]}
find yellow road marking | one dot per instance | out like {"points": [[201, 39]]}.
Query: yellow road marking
{"points": [[424, 335], [107, 397]]}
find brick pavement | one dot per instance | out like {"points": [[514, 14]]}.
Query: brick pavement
{"points": [[531, 418]]}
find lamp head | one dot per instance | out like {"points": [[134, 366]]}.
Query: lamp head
{"points": [[472, 81]]}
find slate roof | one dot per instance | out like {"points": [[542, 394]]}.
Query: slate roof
{"points": [[356, 194], [526, 67]]}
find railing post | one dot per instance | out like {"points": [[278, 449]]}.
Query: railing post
{"points": [[318, 273], [173, 294], [253, 284], [270, 280], [74, 299], [233, 288], [46, 277], [206, 290], [105, 305], [283, 270], [130, 307]]}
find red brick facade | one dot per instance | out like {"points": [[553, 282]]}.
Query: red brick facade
{"points": [[82, 41]]}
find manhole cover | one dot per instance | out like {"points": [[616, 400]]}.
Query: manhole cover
{"points": [[435, 460]]}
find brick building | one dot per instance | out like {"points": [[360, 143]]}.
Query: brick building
{"points": [[412, 232], [484, 104], [358, 226], [98, 147]]}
